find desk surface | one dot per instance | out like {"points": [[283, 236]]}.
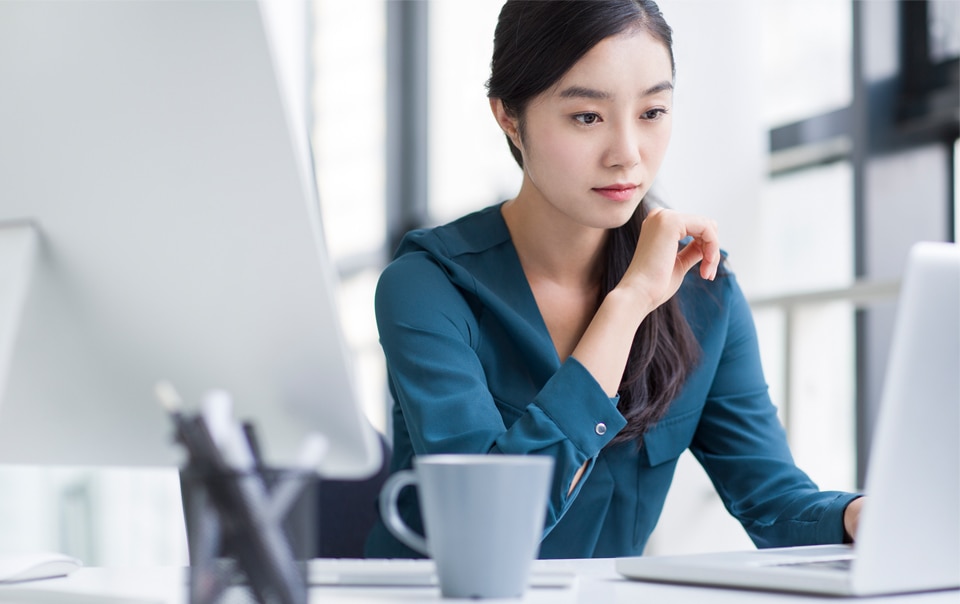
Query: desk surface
{"points": [[596, 582]]}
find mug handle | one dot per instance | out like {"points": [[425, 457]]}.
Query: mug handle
{"points": [[391, 516]]}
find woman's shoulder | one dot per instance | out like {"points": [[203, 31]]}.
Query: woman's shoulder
{"points": [[469, 234], [433, 264], [703, 297]]}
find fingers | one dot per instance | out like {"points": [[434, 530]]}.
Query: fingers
{"points": [[709, 244], [689, 256], [704, 246], [706, 242], [657, 269]]}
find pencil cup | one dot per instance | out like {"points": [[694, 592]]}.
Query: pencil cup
{"points": [[483, 516], [249, 534]]}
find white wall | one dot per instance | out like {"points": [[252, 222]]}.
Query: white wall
{"points": [[716, 163], [715, 166]]}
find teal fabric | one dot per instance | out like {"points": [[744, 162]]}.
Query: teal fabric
{"points": [[472, 369]]}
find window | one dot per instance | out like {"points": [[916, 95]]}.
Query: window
{"points": [[806, 227], [944, 26], [470, 166], [894, 137], [348, 48], [806, 58]]}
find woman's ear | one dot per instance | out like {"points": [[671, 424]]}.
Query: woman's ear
{"points": [[508, 123]]}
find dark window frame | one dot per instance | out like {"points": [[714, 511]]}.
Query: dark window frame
{"points": [[918, 106]]}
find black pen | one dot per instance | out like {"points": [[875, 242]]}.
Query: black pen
{"points": [[250, 433], [259, 544], [191, 432]]}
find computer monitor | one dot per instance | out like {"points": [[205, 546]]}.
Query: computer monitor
{"points": [[159, 220]]}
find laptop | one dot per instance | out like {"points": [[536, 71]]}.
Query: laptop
{"points": [[908, 539]]}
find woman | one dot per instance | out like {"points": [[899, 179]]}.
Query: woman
{"points": [[567, 321]]}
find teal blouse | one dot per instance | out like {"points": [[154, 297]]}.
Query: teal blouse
{"points": [[472, 369]]}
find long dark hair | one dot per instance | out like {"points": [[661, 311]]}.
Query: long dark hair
{"points": [[535, 44]]}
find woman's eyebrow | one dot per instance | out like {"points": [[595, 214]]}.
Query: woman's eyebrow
{"points": [[663, 86], [583, 92]]}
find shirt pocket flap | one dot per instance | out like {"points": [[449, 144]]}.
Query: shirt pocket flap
{"points": [[670, 437]]}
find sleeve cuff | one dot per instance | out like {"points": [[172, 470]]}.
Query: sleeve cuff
{"points": [[577, 404], [830, 528]]}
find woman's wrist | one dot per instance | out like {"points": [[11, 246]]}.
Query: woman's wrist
{"points": [[605, 346], [634, 296]]}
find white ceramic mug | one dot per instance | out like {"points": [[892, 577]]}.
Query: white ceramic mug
{"points": [[483, 517]]}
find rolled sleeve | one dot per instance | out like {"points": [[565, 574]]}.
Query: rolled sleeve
{"points": [[592, 420]]}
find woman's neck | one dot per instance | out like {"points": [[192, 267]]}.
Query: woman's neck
{"points": [[551, 246]]}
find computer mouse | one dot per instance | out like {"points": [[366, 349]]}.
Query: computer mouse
{"points": [[33, 566]]}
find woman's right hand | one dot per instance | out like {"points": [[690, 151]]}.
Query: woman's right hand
{"points": [[659, 265], [654, 275]]}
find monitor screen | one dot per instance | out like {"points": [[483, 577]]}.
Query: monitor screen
{"points": [[159, 221]]}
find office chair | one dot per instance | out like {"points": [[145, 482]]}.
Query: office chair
{"points": [[348, 510]]}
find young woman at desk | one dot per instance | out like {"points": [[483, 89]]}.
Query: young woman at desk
{"points": [[566, 322]]}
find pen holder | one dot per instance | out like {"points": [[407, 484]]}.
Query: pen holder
{"points": [[249, 534]]}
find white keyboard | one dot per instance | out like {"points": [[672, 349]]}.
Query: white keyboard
{"points": [[403, 572]]}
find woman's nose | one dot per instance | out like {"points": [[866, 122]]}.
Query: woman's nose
{"points": [[623, 148]]}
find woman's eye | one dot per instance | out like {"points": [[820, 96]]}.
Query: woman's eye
{"points": [[587, 118], [654, 114]]}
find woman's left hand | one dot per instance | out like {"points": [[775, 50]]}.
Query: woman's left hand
{"points": [[851, 517]]}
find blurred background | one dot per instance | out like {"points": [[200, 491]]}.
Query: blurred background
{"points": [[822, 135]]}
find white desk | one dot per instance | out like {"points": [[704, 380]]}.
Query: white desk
{"points": [[597, 583]]}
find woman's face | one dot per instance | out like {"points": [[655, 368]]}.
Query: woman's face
{"points": [[592, 144]]}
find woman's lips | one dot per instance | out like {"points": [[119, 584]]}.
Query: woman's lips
{"points": [[617, 192]]}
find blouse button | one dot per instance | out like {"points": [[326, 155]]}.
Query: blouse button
{"points": [[601, 428]]}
